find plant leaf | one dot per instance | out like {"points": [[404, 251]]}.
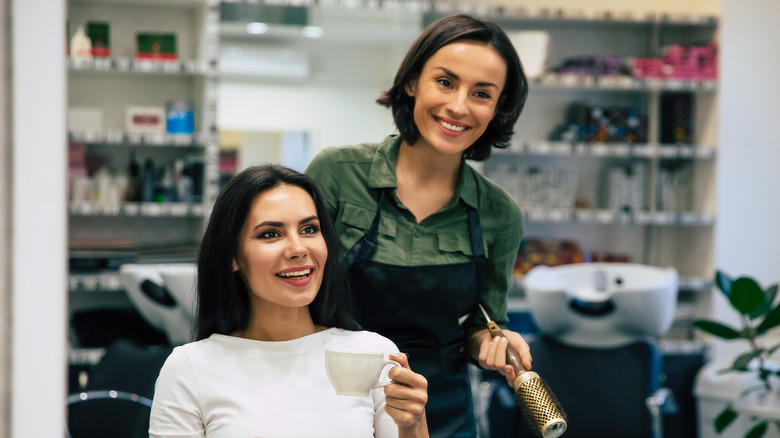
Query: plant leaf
{"points": [[769, 299], [771, 293], [723, 282], [725, 418], [742, 361], [772, 320], [758, 430], [772, 350], [746, 295], [716, 328]]}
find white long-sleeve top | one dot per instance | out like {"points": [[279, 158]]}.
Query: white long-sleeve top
{"points": [[230, 387]]}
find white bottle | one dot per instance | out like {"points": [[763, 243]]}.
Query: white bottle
{"points": [[80, 44]]}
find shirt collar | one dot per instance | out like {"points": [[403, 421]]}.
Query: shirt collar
{"points": [[382, 173]]}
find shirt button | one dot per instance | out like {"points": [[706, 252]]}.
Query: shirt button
{"points": [[416, 234]]}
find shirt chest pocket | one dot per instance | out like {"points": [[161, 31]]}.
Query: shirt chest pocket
{"points": [[355, 221], [455, 244]]}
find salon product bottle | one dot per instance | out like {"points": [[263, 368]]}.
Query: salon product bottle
{"points": [[183, 182], [134, 183], [80, 44], [168, 185], [148, 181], [102, 185], [180, 117]]}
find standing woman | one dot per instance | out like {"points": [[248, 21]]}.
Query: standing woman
{"points": [[426, 236]]}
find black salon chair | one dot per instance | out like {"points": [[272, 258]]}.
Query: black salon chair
{"points": [[118, 394], [606, 393]]}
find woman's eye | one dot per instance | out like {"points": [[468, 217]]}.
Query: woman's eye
{"points": [[269, 234], [482, 95], [310, 229], [444, 82]]}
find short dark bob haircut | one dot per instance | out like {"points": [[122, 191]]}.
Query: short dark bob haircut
{"points": [[223, 298], [438, 34]]}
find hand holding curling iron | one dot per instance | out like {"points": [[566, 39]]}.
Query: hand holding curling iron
{"points": [[539, 405], [504, 351]]}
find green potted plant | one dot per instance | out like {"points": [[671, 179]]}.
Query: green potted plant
{"points": [[757, 316]]}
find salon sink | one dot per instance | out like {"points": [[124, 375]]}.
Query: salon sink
{"points": [[602, 305], [164, 295]]}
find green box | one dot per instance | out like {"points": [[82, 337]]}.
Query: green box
{"points": [[156, 46], [99, 34]]}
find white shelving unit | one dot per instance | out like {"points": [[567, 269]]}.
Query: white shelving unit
{"points": [[111, 84], [682, 238]]}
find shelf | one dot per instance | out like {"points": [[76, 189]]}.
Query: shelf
{"points": [[513, 13], [144, 3], [85, 356], [613, 217], [521, 13], [573, 81], [108, 281], [137, 209], [118, 64], [120, 138], [697, 284], [625, 150]]}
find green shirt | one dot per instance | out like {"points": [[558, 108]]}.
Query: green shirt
{"points": [[347, 176]]}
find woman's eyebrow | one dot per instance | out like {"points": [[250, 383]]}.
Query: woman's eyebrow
{"points": [[457, 78], [281, 224], [269, 224]]}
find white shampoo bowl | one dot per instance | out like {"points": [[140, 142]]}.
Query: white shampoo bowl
{"points": [[164, 294], [602, 305]]}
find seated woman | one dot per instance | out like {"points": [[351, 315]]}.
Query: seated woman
{"points": [[271, 298]]}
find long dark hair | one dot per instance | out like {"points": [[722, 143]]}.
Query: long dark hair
{"points": [[438, 34], [223, 299]]}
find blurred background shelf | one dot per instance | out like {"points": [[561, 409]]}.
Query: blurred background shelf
{"points": [[138, 209]]}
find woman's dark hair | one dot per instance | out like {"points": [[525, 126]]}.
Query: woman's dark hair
{"points": [[438, 34], [223, 298]]}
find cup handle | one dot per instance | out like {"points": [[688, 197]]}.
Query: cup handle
{"points": [[382, 383]]}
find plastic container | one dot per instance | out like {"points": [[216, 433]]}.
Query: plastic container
{"points": [[181, 118], [714, 390]]}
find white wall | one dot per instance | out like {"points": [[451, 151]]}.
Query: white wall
{"points": [[39, 216], [332, 114], [747, 234], [5, 232]]}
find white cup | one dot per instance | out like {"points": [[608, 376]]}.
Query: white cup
{"points": [[353, 372]]}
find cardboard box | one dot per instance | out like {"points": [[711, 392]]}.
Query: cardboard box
{"points": [[145, 119], [156, 46], [98, 33]]}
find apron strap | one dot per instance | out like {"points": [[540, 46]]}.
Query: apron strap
{"points": [[367, 245], [373, 232], [478, 249], [475, 230]]}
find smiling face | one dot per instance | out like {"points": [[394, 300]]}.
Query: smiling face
{"points": [[281, 251], [456, 95]]}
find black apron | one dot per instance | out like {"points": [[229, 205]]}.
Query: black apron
{"points": [[418, 307]]}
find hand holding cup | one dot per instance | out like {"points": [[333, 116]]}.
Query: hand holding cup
{"points": [[355, 373]]}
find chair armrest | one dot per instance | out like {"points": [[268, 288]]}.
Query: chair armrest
{"points": [[662, 401], [108, 394]]}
